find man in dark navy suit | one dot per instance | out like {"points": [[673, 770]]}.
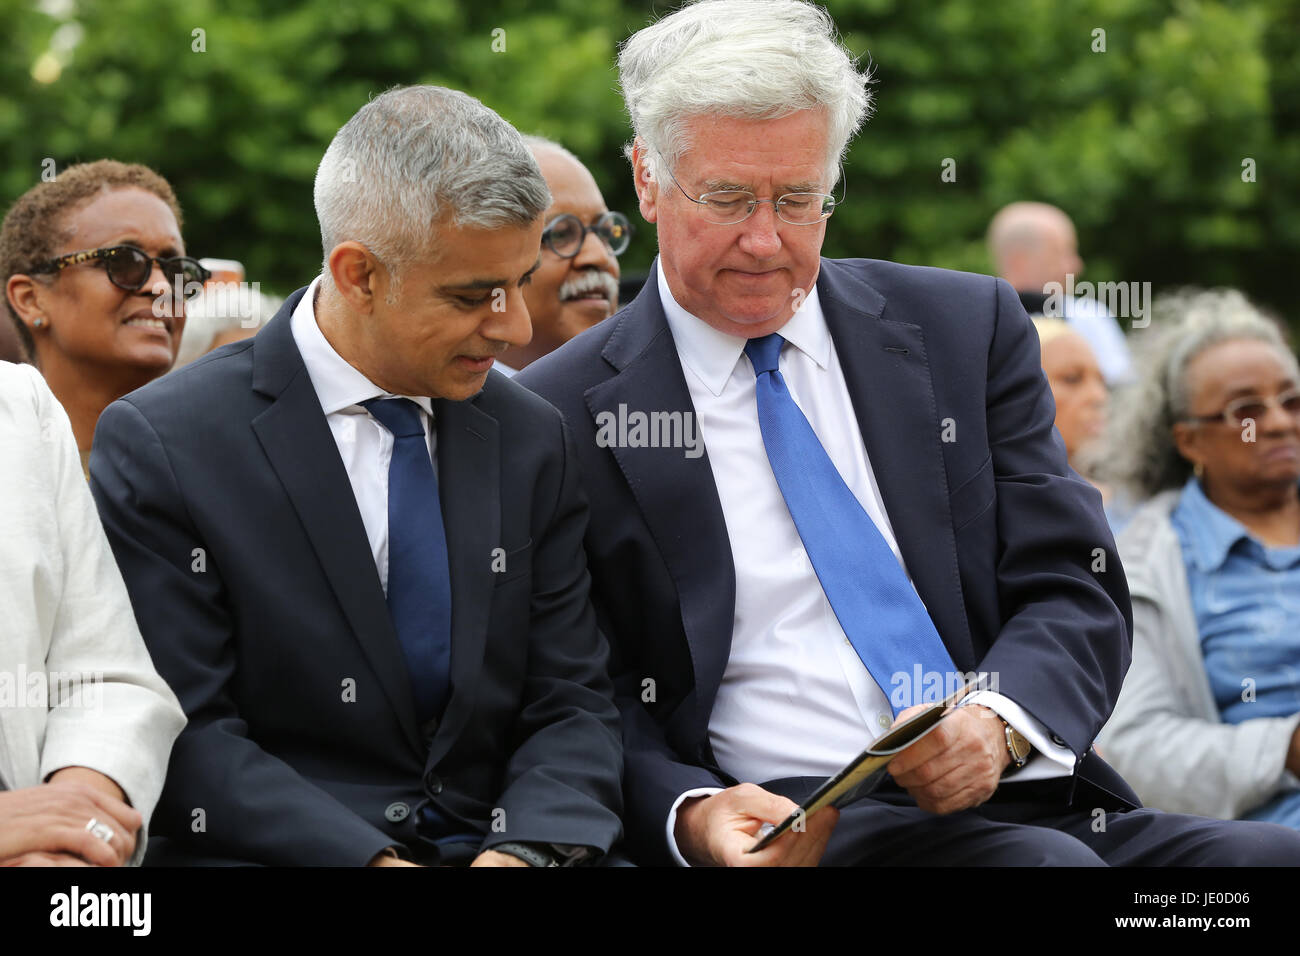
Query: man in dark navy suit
{"points": [[882, 510], [355, 552]]}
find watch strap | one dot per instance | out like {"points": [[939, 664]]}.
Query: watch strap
{"points": [[530, 854]]}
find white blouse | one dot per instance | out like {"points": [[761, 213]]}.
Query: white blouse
{"points": [[77, 686]]}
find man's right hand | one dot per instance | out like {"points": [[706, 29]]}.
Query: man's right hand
{"points": [[717, 830], [51, 818]]}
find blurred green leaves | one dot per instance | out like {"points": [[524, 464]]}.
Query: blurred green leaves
{"points": [[1142, 144]]}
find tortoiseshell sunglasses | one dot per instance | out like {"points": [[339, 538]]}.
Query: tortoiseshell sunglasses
{"points": [[129, 268]]}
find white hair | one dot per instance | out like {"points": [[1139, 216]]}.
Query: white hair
{"points": [[751, 59], [218, 309], [419, 155]]}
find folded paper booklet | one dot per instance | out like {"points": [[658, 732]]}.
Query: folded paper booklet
{"points": [[867, 769]]}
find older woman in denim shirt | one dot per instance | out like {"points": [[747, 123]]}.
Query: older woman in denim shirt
{"points": [[1208, 721]]}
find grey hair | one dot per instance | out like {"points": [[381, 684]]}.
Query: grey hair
{"points": [[218, 309], [751, 59], [1139, 452], [418, 155]]}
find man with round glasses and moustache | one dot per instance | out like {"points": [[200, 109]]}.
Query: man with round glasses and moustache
{"points": [[883, 506], [576, 284]]}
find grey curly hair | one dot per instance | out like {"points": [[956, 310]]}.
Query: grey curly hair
{"points": [[1139, 451]]}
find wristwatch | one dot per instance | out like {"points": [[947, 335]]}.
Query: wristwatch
{"points": [[1018, 746], [532, 855]]}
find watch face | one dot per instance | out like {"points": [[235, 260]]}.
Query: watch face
{"points": [[1019, 746]]}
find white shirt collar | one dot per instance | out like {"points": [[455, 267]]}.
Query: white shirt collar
{"points": [[712, 355], [338, 385]]}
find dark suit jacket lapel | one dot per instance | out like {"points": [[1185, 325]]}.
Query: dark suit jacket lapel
{"points": [[301, 448], [676, 495], [888, 377], [469, 484]]}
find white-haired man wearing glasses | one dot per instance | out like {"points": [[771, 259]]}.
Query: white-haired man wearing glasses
{"points": [[384, 642], [882, 511]]}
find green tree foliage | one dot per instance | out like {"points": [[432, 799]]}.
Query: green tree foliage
{"points": [[1143, 143]]}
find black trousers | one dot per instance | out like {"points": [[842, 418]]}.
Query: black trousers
{"points": [[889, 829]]}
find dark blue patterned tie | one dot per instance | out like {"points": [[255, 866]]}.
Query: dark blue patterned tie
{"points": [[877, 606], [419, 579]]}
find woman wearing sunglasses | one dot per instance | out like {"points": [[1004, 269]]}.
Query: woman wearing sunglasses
{"points": [[1208, 721], [96, 277]]}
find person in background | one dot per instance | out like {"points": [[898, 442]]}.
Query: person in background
{"points": [[576, 285], [1077, 384], [1208, 720], [86, 723], [220, 314], [95, 275], [1033, 244], [1082, 398]]}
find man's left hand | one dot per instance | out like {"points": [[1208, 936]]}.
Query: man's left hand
{"points": [[958, 764], [493, 858]]}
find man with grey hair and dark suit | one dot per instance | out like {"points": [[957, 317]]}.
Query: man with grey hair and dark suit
{"points": [[384, 642], [883, 507]]}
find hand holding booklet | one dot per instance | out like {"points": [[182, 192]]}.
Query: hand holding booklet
{"points": [[864, 773]]}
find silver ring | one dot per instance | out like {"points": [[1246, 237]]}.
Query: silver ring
{"points": [[101, 830]]}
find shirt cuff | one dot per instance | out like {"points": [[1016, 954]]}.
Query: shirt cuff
{"points": [[1056, 761], [672, 818]]}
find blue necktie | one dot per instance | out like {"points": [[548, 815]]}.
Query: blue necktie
{"points": [[877, 606], [419, 579]]}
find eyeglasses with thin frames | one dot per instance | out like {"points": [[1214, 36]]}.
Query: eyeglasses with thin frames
{"points": [[1251, 408], [726, 207], [129, 267], [565, 234]]}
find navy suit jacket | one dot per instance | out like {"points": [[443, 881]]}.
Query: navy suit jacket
{"points": [[236, 529], [1000, 536]]}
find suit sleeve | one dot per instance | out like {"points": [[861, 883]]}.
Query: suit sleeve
{"points": [[656, 777], [563, 783], [654, 774], [224, 795], [1066, 638]]}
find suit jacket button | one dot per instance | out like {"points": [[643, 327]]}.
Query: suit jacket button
{"points": [[397, 812], [433, 782]]}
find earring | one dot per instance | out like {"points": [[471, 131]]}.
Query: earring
{"points": [[38, 322], [1198, 469]]}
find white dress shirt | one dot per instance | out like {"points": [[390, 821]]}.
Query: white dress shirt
{"points": [[795, 698], [364, 444]]}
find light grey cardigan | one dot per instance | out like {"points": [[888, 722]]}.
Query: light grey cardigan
{"points": [[66, 619], [1165, 736]]}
